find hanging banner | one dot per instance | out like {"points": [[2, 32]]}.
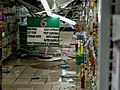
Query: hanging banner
{"points": [[43, 31]]}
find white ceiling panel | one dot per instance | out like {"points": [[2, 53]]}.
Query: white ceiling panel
{"points": [[59, 2]]}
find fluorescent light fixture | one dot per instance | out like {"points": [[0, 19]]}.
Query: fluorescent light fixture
{"points": [[40, 12], [46, 7], [71, 22], [49, 13]]}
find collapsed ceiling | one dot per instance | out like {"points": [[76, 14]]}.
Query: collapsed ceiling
{"points": [[67, 8], [71, 9]]}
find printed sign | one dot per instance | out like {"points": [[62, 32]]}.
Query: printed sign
{"points": [[43, 32]]}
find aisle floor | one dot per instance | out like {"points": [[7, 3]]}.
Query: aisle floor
{"points": [[19, 77]]}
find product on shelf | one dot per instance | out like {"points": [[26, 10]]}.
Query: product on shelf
{"points": [[9, 30]]}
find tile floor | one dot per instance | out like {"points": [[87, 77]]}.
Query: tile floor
{"points": [[19, 78]]}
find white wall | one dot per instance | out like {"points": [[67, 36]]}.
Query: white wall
{"points": [[116, 27]]}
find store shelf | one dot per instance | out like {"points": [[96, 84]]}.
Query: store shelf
{"points": [[9, 32], [9, 14], [7, 44], [6, 57]]}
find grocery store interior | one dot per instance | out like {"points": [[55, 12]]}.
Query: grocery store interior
{"points": [[59, 45]]}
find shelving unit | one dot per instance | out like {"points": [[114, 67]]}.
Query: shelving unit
{"points": [[9, 30], [85, 41], [1, 28], [23, 37]]}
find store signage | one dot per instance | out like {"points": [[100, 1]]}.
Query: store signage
{"points": [[43, 32]]}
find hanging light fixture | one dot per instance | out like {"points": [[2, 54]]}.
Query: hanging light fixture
{"points": [[49, 13], [46, 7]]}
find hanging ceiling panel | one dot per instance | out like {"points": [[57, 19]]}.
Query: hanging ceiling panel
{"points": [[66, 8], [59, 2]]}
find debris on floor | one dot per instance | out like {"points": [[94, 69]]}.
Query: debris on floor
{"points": [[35, 77], [6, 69], [40, 74]]}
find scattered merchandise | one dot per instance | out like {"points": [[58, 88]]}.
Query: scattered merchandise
{"points": [[6, 69], [64, 66], [34, 77], [9, 30]]}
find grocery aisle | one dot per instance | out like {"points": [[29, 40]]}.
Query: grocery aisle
{"points": [[70, 33]]}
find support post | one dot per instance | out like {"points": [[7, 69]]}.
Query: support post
{"points": [[104, 44]]}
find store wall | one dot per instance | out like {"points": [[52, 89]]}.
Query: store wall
{"points": [[116, 27]]}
